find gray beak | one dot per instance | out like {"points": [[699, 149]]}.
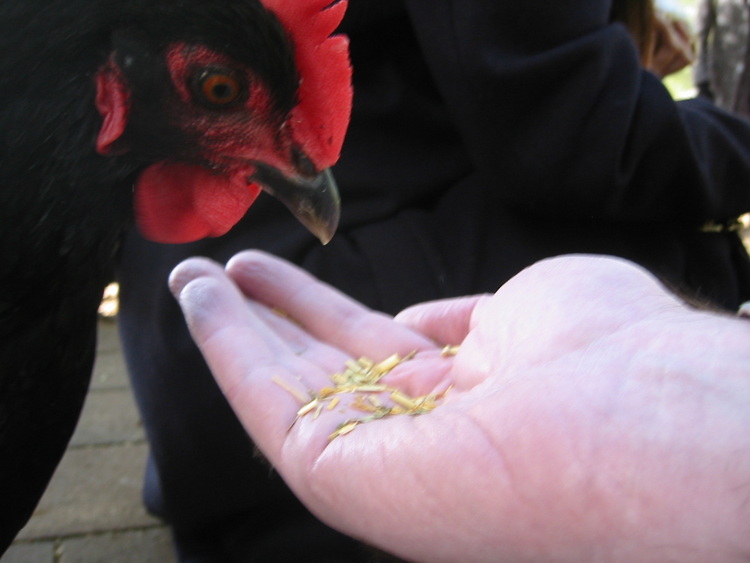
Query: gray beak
{"points": [[314, 201]]}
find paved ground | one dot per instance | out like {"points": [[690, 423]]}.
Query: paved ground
{"points": [[92, 511]]}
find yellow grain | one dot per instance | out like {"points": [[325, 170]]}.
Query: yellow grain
{"points": [[291, 389]]}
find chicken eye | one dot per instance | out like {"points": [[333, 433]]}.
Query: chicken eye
{"points": [[219, 88]]}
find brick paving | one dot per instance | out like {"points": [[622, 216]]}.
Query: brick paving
{"points": [[92, 510]]}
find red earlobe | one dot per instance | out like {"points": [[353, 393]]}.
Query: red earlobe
{"points": [[112, 101]]}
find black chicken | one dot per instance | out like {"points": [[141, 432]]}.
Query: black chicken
{"points": [[185, 107]]}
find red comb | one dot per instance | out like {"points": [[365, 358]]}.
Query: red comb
{"points": [[320, 119]]}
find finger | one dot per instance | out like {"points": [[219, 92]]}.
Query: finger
{"points": [[213, 304], [323, 311], [190, 269], [446, 322], [247, 356], [682, 30], [281, 334], [297, 340], [265, 379]]}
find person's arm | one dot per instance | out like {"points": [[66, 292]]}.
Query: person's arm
{"points": [[558, 114], [592, 415]]}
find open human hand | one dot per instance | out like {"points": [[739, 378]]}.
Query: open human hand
{"points": [[588, 415]]}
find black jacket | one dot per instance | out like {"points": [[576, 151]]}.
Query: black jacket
{"points": [[485, 136]]}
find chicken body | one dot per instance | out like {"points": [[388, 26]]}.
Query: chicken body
{"points": [[190, 106]]}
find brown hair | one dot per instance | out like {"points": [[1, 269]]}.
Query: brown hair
{"points": [[638, 16]]}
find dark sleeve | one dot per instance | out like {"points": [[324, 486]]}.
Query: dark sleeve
{"points": [[555, 110]]}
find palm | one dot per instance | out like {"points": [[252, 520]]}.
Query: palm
{"points": [[544, 393]]}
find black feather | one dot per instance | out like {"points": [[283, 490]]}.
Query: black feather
{"points": [[63, 207]]}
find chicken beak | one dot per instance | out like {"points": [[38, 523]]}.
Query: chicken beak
{"points": [[314, 201]]}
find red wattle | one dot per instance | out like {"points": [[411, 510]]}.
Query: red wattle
{"points": [[177, 203]]}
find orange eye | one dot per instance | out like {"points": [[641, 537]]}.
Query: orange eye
{"points": [[219, 89]]}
